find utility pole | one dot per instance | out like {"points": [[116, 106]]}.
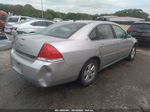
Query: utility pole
{"points": [[42, 8]]}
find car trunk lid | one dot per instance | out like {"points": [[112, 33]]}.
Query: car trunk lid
{"points": [[30, 45]]}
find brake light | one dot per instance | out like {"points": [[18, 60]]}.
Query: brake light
{"points": [[148, 32], [49, 52], [129, 30], [147, 38]]}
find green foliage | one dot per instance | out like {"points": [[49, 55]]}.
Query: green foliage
{"points": [[139, 13], [29, 10], [78, 16]]}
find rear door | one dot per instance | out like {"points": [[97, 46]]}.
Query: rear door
{"points": [[125, 43], [108, 45]]}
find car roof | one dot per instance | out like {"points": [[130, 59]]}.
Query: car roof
{"points": [[19, 16], [144, 22], [95, 22]]}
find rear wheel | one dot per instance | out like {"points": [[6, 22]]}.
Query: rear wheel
{"points": [[88, 73], [132, 53]]}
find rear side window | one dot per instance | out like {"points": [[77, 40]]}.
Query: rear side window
{"points": [[105, 32], [102, 32], [61, 30], [140, 26], [93, 35]]}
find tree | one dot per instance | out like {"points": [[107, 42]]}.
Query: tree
{"points": [[29, 10], [139, 13], [48, 14]]}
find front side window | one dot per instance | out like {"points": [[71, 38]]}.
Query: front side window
{"points": [[61, 30], [39, 23], [102, 32], [120, 33], [49, 23]]}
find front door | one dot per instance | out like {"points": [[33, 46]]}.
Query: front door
{"points": [[125, 43]]}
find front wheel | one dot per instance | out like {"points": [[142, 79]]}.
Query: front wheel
{"points": [[132, 53], [88, 73]]}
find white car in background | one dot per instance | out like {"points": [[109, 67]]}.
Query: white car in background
{"points": [[13, 22], [33, 26], [16, 19]]}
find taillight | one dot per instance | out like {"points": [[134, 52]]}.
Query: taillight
{"points": [[129, 30], [49, 52], [147, 38], [148, 32]]}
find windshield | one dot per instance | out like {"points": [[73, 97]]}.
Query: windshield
{"points": [[62, 30], [13, 19], [141, 26]]}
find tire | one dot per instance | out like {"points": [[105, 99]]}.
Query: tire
{"points": [[132, 53], [88, 73]]}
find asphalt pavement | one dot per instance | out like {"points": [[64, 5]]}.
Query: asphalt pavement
{"points": [[124, 85]]}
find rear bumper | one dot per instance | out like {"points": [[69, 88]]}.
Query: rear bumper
{"points": [[44, 74]]}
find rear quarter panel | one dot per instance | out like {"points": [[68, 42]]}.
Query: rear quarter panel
{"points": [[76, 53]]}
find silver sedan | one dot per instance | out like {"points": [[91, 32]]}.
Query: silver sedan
{"points": [[70, 51]]}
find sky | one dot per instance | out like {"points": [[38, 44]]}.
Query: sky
{"points": [[85, 6]]}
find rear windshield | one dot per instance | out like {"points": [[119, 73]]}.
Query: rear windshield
{"points": [[140, 26], [13, 19], [62, 30]]}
